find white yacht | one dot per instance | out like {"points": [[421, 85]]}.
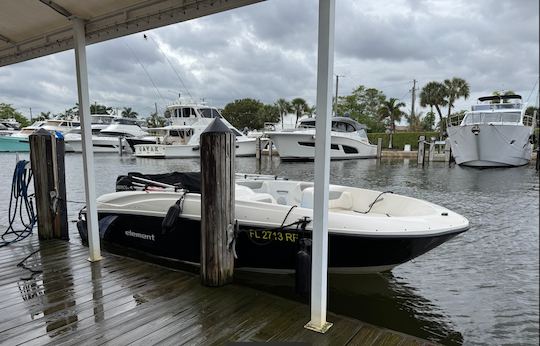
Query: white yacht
{"points": [[349, 141], [18, 141], [9, 126], [106, 137], [181, 139], [495, 133]]}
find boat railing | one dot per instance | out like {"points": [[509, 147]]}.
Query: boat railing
{"points": [[503, 118]]}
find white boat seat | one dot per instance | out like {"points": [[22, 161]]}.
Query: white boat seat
{"points": [[339, 199], [263, 197]]}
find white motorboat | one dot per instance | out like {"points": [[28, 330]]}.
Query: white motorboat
{"points": [[495, 133], [9, 126], [181, 139], [18, 141], [369, 231], [106, 138], [349, 140]]}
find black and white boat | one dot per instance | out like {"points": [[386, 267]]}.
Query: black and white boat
{"points": [[369, 231]]}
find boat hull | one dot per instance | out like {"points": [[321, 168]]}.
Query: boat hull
{"points": [[243, 148], [261, 249], [99, 144], [14, 144], [492, 145], [294, 146]]}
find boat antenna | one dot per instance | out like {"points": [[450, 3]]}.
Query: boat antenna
{"points": [[170, 64], [532, 90], [145, 71]]}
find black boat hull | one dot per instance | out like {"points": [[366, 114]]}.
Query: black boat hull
{"points": [[260, 249]]}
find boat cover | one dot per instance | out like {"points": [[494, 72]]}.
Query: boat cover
{"points": [[190, 181]]}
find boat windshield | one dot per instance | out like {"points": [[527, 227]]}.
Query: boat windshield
{"points": [[125, 121], [209, 113], [362, 133], [485, 107], [487, 118]]}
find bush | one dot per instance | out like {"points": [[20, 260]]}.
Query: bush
{"points": [[401, 138]]}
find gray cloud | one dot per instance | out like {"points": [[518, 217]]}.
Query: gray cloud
{"points": [[268, 50]]}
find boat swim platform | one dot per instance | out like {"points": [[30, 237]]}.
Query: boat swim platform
{"points": [[68, 300]]}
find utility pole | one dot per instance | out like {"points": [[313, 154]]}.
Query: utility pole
{"points": [[30, 114], [155, 104], [336, 100], [413, 98]]}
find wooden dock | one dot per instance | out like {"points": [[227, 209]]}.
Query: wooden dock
{"points": [[121, 301]]}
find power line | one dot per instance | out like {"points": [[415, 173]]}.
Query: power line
{"points": [[171, 65], [144, 69]]}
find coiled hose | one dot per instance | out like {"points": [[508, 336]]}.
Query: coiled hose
{"points": [[20, 203]]}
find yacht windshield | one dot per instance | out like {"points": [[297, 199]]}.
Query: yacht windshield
{"points": [[209, 113], [487, 118]]}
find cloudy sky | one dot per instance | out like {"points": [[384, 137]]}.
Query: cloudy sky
{"points": [[268, 50]]}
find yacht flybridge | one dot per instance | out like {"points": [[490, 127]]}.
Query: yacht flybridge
{"points": [[369, 231], [181, 139], [495, 133], [348, 141]]}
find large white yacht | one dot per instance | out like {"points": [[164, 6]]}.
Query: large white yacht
{"points": [[181, 139], [107, 134], [495, 133], [349, 141]]}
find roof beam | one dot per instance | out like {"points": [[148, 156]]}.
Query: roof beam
{"points": [[56, 7], [143, 16], [5, 39]]}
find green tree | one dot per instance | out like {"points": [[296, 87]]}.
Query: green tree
{"points": [[44, 116], [7, 111], [455, 89], [100, 109], [299, 107], [433, 94], [244, 113], [502, 93], [127, 112], [390, 112], [267, 114], [154, 120], [363, 105], [415, 121], [428, 121], [531, 109], [284, 107]]}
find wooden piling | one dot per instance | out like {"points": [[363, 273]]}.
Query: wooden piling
{"points": [[431, 149], [421, 141], [379, 147], [258, 148], [217, 145], [120, 145], [270, 150], [47, 161]]}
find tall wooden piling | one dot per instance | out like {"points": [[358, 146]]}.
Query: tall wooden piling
{"points": [[47, 161], [379, 147], [217, 145], [421, 142]]}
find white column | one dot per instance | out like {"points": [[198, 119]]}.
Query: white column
{"points": [[79, 42], [319, 252]]}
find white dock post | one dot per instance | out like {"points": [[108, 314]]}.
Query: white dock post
{"points": [[319, 255], [447, 150], [379, 147], [421, 140], [431, 149], [79, 42]]}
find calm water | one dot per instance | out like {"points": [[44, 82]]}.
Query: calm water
{"points": [[479, 288]]}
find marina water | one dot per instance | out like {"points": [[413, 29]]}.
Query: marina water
{"points": [[482, 287]]}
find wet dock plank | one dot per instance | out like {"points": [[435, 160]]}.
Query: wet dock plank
{"points": [[120, 301]]}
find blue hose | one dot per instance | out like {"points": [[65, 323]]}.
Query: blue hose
{"points": [[20, 203]]}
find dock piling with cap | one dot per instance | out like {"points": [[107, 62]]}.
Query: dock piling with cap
{"points": [[218, 146]]}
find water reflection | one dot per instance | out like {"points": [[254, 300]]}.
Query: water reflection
{"points": [[97, 293], [380, 299]]}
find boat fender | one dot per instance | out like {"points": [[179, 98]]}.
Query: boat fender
{"points": [[303, 267], [173, 213]]}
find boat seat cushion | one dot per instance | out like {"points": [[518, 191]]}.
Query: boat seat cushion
{"points": [[263, 197], [343, 199]]}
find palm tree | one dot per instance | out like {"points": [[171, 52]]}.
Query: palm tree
{"points": [[44, 116], [501, 93], [390, 110], [415, 122], [455, 88], [433, 95], [127, 112], [299, 106], [284, 107], [154, 120]]}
